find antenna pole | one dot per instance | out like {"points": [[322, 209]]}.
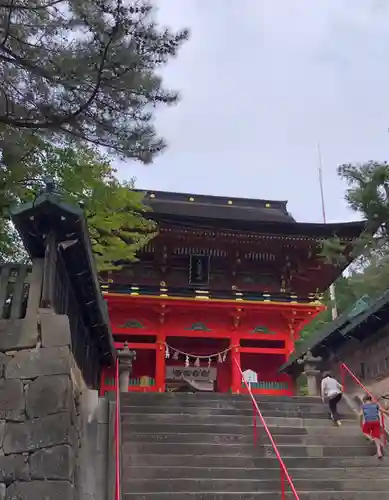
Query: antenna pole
{"points": [[334, 310]]}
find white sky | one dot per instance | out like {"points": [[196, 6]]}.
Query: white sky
{"points": [[262, 81]]}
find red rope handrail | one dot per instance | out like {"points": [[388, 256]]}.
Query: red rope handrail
{"points": [[344, 368], [284, 471], [117, 433]]}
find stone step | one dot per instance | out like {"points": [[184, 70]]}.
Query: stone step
{"points": [[249, 485], [289, 412], [132, 459], [214, 396], [327, 429], [236, 450], [308, 495], [169, 418], [240, 438], [244, 403], [207, 428], [162, 472]]}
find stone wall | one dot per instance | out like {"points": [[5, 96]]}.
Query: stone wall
{"points": [[44, 420]]}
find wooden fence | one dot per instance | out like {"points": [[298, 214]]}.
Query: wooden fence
{"points": [[20, 290]]}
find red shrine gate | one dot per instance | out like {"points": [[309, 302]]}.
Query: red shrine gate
{"points": [[224, 280], [198, 333]]}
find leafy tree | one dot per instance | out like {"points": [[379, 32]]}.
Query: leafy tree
{"points": [[346, 296], [114, 212], [368, 195], [77, 76], [83, 69]]}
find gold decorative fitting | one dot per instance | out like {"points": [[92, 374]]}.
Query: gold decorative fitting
{"points": [[267, 205], [152, 195], [230, 202], [191, 198]]}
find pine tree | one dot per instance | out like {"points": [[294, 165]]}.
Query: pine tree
{"points": [[86, 70]]}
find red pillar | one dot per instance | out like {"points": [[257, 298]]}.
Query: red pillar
{"points": [[160, 362], [236, 378]]}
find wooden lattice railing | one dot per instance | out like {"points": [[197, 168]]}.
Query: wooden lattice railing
{"points": [[20, 290]]}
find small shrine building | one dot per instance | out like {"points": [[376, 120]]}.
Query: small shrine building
{"points": [[224, 280]]}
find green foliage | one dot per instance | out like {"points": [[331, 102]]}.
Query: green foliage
{"points": [[86, 70], [368, 189], [333, 251], [84, 176], [368, 195], [346, 295], [77, 77]]}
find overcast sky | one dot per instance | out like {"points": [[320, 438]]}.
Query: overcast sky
{"points": [[262, 81]]}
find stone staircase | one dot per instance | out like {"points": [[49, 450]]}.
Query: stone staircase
{"points": [[200, 447]]}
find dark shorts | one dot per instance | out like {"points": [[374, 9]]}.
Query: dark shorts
{"points": [[372, 429]]}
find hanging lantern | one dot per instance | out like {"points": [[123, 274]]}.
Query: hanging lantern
{"points": [[176, 355], [197, 362], [167, 352], [187, 363], [219, 358]]}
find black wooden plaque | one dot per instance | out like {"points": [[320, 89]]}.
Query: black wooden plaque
{"points": [[199, 270]]}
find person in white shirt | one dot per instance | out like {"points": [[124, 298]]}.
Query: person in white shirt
{"points": [[331, 393]]}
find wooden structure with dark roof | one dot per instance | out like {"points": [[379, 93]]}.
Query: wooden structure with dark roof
{"points": [[56, 233], [358, 337], [223, 271]]}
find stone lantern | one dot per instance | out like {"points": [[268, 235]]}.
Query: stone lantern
{"points": [[126, 357], [311, 371]]}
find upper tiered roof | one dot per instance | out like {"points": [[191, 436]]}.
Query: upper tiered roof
{"points": [[240, 214]]}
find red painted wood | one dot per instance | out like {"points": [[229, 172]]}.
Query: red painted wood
{"points": [[136, 345], [263, 350], [236, 378], [160, 363], [226, 323], [152, 301]]}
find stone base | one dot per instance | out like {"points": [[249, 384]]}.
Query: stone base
{"points": [[43, 427]]}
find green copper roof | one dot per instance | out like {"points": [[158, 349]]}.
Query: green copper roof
{"points": [[338, 331]]}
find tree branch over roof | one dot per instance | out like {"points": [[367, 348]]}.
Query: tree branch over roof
{"points": [[86, 69]]}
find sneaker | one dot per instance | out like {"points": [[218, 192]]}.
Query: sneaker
{"points": [[338, 423]]}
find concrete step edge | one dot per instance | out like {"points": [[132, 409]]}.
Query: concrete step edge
{"points": [[367, 462], [190, 409], [206, 425], [241, 480], [248, 445]]}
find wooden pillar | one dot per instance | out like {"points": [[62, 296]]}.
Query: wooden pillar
{"points": [[160, 364], [236, 378]]}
